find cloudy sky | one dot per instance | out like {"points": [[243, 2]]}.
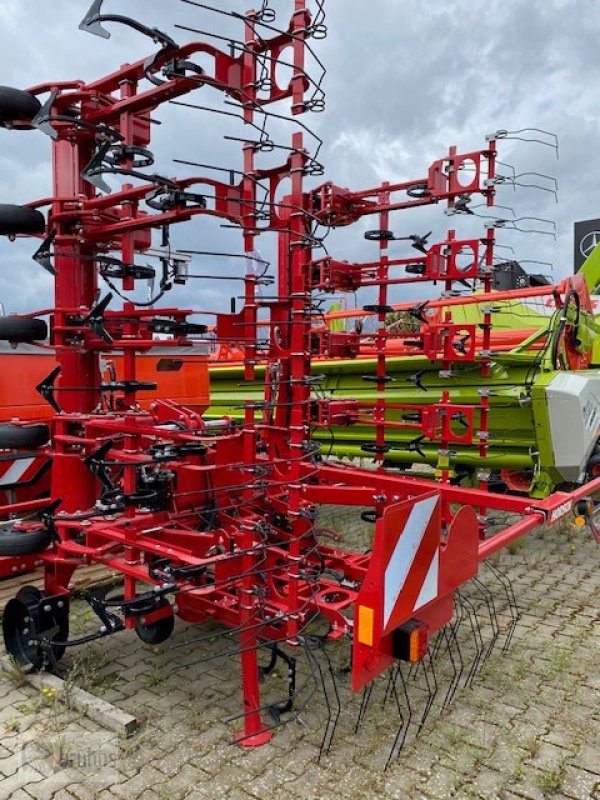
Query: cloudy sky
{"points": [[405, 79]]}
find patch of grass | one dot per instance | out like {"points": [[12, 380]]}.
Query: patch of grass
{"points": [[86, 671], [532, 746], [156, 677], [560, 662], [15, 673], [552, 780], [31, 707], [12, 726], [515, 546]]}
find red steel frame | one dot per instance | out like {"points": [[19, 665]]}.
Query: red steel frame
{"points": [[257, 567]]}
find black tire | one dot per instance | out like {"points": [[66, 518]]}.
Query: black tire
{"points": [[25, 437], [22, 329], [156, 632], [22, 543], [25, 618], [19, 219], [17, 108]]}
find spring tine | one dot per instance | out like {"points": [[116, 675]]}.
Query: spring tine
{"points": [[477, 638], [402, 734], [402, 728], [448, 643], [491, 607], [431, 692], [318, 672], [332, 718], [453, 641], [437, 645], [389, 687], [506, 584], [366, 697]]}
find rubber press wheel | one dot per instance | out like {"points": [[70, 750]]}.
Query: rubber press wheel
{"points": [[22, 542], [26, 620], [156, 632], [17, 108], [22, 329], [23, 437], [20, 219]]}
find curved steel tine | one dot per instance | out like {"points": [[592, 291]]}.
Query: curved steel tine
{"points": [[491, 607], [448, 643], [477, 638], [364, 703], [403, 727], [506, 584], [431, 692], [401, 736], [333, 719]]}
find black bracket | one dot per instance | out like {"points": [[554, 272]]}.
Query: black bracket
{"points": [[162, 199], [129, 386], [114, 268], [46, 389], [416, 379], [97, 464], [417, 311], [91, 23], [95, 319], [178, 328], [43, 255]]}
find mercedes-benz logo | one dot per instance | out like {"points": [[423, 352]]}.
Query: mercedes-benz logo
{"points": [[588, 244]]}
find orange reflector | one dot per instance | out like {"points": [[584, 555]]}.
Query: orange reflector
{"points": [[366, 617], [414, 647], [579, 521], [410, 641]]}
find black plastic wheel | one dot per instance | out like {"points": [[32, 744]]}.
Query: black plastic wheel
{"points": [[418, 191], [22, 543], [22, 329], [17, 108], [19, 219], [156, 632], [23, 437], [29, 617]]}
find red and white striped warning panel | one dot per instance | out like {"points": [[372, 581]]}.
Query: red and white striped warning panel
{"points": [[403, 577], [412, 572]]}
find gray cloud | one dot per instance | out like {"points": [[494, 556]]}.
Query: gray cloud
{"points": [[405, 80]]}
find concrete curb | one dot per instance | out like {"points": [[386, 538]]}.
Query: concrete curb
{"points": [[98, 710]]}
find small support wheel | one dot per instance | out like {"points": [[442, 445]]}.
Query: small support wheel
{"points": [[33, 620], [17, 108], [23, 437], [156, 632], [22, 542], [16, 220]]}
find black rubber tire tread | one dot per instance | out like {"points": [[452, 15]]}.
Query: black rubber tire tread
{"points": [[156, 632], [17, 106], [26, 437], [22, 543], [22, 329], [24, 608], [19, 219]]}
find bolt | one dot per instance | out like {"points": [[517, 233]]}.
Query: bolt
{"points": [[47, 607], [61, 604], [25, 631]]}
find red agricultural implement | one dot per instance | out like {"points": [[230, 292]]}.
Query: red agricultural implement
{"points": [[218, 520]]}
